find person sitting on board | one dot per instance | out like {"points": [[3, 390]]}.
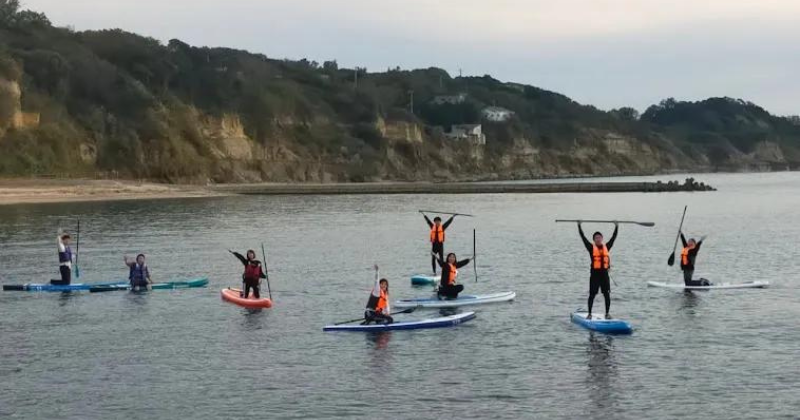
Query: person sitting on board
{"points": [[378, 309], [448, 289], [65, 257], [688, 257], [139, 275], [600, 264], [437, 237], [252, 273]]}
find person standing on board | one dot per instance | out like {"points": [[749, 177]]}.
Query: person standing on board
{"points": [[252, 273], [65, 257], [688, 257], [139, 275], [601, 263], [448, 289], [378, 309], [437, 237]]}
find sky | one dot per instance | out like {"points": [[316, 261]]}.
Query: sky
{"points": [[607, 53]]}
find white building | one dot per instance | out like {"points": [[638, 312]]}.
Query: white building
{"points": [[496, 114], [472, 133], [449, 99]]}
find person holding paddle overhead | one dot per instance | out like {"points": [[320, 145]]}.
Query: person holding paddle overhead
{"points": [[139, 275], [252, 275], [601, 263], [437, 237], [378, 309], [448, 288], [688, 257]]}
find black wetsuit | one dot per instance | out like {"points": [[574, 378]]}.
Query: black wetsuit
{"points": [[449, 291], [598, 278], [437, 247], [251, 282], [688, 268]]}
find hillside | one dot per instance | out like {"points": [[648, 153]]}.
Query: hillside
{"points": [[113, 103]]}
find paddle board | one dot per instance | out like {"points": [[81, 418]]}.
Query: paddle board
{"points": [[463, 300], [600, 324], [441, 322]]}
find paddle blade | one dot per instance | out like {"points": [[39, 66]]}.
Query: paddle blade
{"points": [[671, 260]]}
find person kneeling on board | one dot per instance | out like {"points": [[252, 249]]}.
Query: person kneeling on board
{"points": [[378, 309], [139, 275], [251, 278], [437, 237], [448, 289], [688, 257], [252, 275], [601, 263], [65, 257]]}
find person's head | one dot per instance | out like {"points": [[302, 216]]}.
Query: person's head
{"points": [[692, 243], [251, 255], [598, 238], [437, 220], [140, 259], [65, 238], [451, 258], [384, 285]]}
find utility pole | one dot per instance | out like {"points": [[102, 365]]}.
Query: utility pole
{"points": [[355, 79], [411, 101]]}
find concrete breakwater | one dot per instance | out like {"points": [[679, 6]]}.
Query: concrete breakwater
{"points": [[462, 188]]}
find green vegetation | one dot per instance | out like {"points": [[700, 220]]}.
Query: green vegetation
{"points": [[116, 102]]}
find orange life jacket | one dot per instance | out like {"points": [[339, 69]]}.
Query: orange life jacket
{"points": [[382, 302], [437, 234], [600, 258], [252, 271], [451, 275], [685, 255]]}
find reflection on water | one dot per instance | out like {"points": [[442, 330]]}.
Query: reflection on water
{"points": [[602, 371], [380, 340]]}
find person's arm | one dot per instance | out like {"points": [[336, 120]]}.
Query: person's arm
{"points": [[683, 240], [610, 243], [447, 223], [700, 242], [61, 247], [462, 263], [430, 224], [128, 262], [439, 260], [586, 242], [376, 289], [239, 256]]}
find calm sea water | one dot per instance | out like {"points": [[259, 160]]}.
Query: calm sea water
{"points": [[186, 354]]}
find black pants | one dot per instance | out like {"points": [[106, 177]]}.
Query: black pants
{"points": [[437, 249], [451, 291], [599, 280], [377, 317], [687, 276], [252, 284], [66, 276]]}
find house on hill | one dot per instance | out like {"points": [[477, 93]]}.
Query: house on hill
{"points": [[471, 133], [449, 99], [496, 114]]}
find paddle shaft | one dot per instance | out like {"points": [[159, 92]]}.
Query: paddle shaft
{"points": [[78, 250], [266, 270], [630, 222], [444, 212], [671, 259], [407, 311], [475, 254]]}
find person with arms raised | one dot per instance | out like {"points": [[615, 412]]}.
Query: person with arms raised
{"points": [[378, 309], [688, 258], [448, 288], [139, 275], [252, 273], [599, 279], [437, 237], [65, 259]]}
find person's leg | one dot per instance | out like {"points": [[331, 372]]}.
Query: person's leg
{"points": [[246, 289], [66, 275], [687, 277], [433, 259], [457, 289], [384, 319], [605, 287], [594, 285], [257, 291]]}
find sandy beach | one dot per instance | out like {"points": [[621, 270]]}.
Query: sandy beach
{"points": [[19, 191]]}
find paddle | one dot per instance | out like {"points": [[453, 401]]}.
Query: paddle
{"points": [[645, 224], [444, 212], [407, 311], [474, 255], [78, 250], [266, 270], [671, 259]]}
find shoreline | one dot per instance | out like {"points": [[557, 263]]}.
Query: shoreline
{"points": [[40, 191]]}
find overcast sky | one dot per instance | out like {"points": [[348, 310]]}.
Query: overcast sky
{"points": [[608, 53]]}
